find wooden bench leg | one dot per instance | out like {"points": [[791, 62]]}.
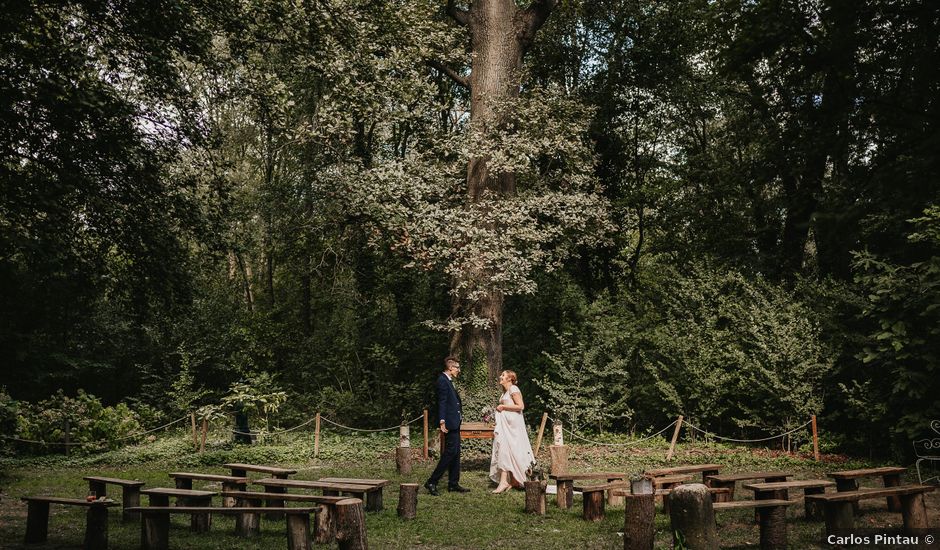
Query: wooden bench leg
{"points": [[843, 485], [813, 510], [839, 516], [184, 483], [200, 523], [613, 500], [37, 521], [239, 473], [131, 497], [773, 528], [776, 494], [229, 502], [374, 500], [96, 528], [298, 532], [564, 494], [325, 529], [275, 516], [705, 474], [914, 511], [723, 497], [248, 524], [159, 500], [351, 524], [155, 531], [893, 480], [593, 505]]}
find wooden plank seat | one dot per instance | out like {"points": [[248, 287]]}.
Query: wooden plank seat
{"points": [[374, 498], [160, 496], [592, 497], [241, 470], [370, 494], [705, 469], [730, 480], [96, 519], [564, 495], [847, 480], [184, 480], [130, 492], [781, 490], [839, 511], [773, 519], [155, 523], [324, 528]]}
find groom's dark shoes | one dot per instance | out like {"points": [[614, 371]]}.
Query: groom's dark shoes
{"points": [[432, 488], [458, 489]]}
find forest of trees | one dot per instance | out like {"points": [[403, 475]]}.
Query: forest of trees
{"points": [[725, 209]]}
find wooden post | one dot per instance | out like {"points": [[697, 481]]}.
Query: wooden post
{"points": [[37, 521], [692, 516], [155, 531], [192, 419], [403, 451], [538, 440], [408, 500], [205, 433], [559, 459], [316, 438], [815, 440], [425, 434], [639, 528], [839, 517], [675, 436], [351, 525], [535, 497]]}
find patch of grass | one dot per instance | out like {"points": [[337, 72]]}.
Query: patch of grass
{"points": [[478, 520]]}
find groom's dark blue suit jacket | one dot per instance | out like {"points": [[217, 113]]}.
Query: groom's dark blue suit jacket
{"points": [[448, 403]]}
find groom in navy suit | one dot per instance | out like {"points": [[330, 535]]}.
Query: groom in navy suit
{"points": [[449, 414]]}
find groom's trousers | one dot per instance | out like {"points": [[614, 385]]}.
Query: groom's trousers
{"points": [[450, 460]]}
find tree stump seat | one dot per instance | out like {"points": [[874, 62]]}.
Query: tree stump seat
{"points": [[155, 523], [839, 510], [564, 494], [847, 480], [773, 519], [781, 490], [730, 480], [324, 528], [130, 492], [241, 470], [160, 496], [592, 497], [96, 519]]}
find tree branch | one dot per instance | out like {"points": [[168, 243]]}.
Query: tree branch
{"points": [[536, 15], [454, 75], [461, 16]]}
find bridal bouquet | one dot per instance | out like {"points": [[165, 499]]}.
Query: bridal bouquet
{"points": [[488, 414]]}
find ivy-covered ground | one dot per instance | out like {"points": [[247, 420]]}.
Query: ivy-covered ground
{"points": [[470, 521]]}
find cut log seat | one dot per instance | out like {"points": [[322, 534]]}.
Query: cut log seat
{"points": [[130, 492], [838, 507], [564, 494], [160, 496], [773, 519], [96, 519], [324, 528], [184, 480]]}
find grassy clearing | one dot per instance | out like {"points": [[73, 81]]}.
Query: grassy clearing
{"points": [[451, 521]]}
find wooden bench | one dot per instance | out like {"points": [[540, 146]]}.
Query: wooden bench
{"points": [[324, 529], [155, 525], [184, 480], [370, 494], [592, 497], [241, 470], [564, 494], [839, 509], [130, 492], [773, 519], [374, 497], [705, 469], [160, 496], [730, 480], [847, 480], [780, 490], [716, 492], [96, 519]]}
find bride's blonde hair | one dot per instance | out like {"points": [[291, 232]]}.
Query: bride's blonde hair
{"points": [[511, 375]]}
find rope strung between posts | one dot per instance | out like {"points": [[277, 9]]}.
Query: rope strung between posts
{"points": [[99, 443], [378, 430], [277, 432], [716, 436], [629, 443]]}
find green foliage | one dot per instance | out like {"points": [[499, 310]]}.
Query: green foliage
{"points": [[258, 396]]}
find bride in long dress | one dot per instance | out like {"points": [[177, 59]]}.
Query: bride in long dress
{"points": [[512, 452]]}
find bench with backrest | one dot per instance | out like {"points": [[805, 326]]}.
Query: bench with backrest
{"points": [[184, 480], [160, 496], [847, 480], [366, 493], [772, 514], [130, 492], [241, 470], [155, 523], [839, 509], [324, 530], [96, 519], [564, 494], [730, 480], [705, 469], [781, 490]]}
